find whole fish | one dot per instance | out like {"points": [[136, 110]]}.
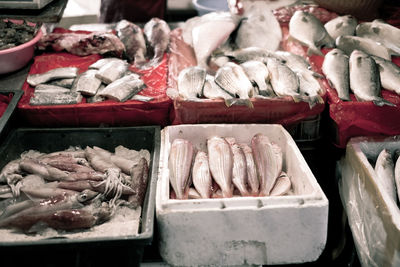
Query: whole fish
{"points": [[259, 75], [201, 175], [239, 171], [56, 99], [211, 90], [112, 71], [191, 81], [54, 74], [87, 83], [50, 89], [221, 164], [232, 78], [389, 74], [252, 177], [336, 69], [67, 83], [157, 32], [309, 88], [247, 54], [132, 37], [179, 163], [309, 30], [124, 88], [350, 43], [397, 176], [268, 159], [282, 185], [384, 169], [364, 79], [342, 25], [293, 61]]}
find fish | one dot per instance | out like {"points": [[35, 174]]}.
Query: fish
{"points": [[179, 164], [55, 99], [364, 79], [112, 71], [232, 78], [139, 179], [211, 90], [67, 83], [193, 194], [259, 76], [50, 89], [342, 25], [157, 33], [295, 62], [239, 169], [252, 176], [309, 88], [336, 69], [201, 175], [53, 74], [282, 185], [247, 54], [87, 83], [101, 62], [397, 175], [132, 37], [350, 43], [221, 164], [283, 80], [389, 74], [97, 98], [269, 160], [123, 88], [381, 32], [308, 30], [191, 81], [384, 169], [142, 98]]}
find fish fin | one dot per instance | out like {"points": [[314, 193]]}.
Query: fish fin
{"points": [[314, 50], [340, 24], [381, 102]]}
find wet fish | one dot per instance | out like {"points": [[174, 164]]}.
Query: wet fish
{"points": [[384, 169], [180, 162], [247, 54], [336, 69], [364, 79], [123, 88], [201, 175], [309, 88], [54, 74], [112, 71], [132, 37], [282, 185], [101, 62], [259, 75], [350, 43], [211, 90], [342, 25], [309, 30], [239, 169], [49, 89], [67, 83], [389, 74], [268, 159], [87, 83], [56, 99], [191, 81], [252, 177], [221, 164], [295, 62], [157, 33]]}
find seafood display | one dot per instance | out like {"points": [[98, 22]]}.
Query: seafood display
{"points": [[71, 189], [227, 169]]}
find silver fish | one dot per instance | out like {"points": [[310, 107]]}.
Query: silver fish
{"points": [[282, 185], [309, 30], [336, 69], [67, 83], [54, 74], [211, 90], [123, 88], [221, 163], [364, 79], [259, 75], [389, 74], [55, 99], [201, 175], [247, 54], [101, 62], [191, 81], [132, 37], [350, 43], [268, 159], [112, 71], [142, 98], [157, 33], [309, 88], [342, 25], [239, 171], [397, 177], [49, 88], [252, 177], [179, 163], [87, 83], [384, 169]]}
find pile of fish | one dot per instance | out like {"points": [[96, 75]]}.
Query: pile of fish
{"points": [[107, 78], [71, 189], [13, 34], [227, 169], [388, 173]]}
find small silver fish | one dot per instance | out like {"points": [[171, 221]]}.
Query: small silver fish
{"points": [[87, 83], [135, 45], [211, 90], [101, 62], [49, 88], [384, 169], [112, 71], [67, 83], [259, 75], [191, 81], [56, 99], [157, 32], [247, 54], [350, 43], [282, 185], [54, 74], [123, 88], [389, 74], [342, 25], [336, 69], [239, 169], [201, 175], [252, 177]]}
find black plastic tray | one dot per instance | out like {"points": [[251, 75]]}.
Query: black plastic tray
{"points": [[8, 114], [112, 251]]}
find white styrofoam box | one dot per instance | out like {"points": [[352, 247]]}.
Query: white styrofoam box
{"points": [[241, 230]]}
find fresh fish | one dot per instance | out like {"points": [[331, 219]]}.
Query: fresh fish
{"points": [[232, 78], [295, 62], [247, 54], [268, 159], [309, 30], [221, 164], [309, 88], [252, 177], [211, 90], [259, 75], [342, 25], [191, 81], [157, 33], [350, 43], [180, 162], [283, 80], [123, 88], [336, 69], [67, 83], [87, 83], [56, 99], [384, 169], [139, 180], [54, 74], [112, 71], [101, 62], [135, 45], [282, 185], [50, 89], [382, 33], [397, 176], [239, 169], [364, 79], [201, 175], [142, 98], [389, 74]]}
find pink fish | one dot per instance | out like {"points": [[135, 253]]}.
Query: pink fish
{"points": [[252, 177], [282, 185], [239, 171], [201, 175]]}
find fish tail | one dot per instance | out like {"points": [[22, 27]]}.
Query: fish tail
{"points": [[381, 102]]}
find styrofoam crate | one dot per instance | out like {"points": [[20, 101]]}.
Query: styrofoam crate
{"points": [[241, 230]]}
